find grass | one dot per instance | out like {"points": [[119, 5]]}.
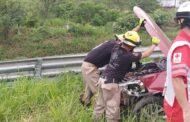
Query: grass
{"points": [[45, 100], [49, 41]]}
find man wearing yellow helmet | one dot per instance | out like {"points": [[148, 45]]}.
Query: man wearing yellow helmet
{"points": [[120, 63], [97, 58]]}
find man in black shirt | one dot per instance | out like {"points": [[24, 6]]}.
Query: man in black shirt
{"points": [[122, 57], [98, 57]]}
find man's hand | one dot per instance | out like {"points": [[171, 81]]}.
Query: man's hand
{"points": [[142, 22], [155, 40]]}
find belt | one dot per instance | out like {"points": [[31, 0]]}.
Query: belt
{"points": [[109, 80]]}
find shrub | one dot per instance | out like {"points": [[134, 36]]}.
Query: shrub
{"points": [[82, 30], [64, 9], [161, 17], [11, 13], [38, 34], [32, 21], [125, 23], [97, 15], [147, 5], [97, 20]]}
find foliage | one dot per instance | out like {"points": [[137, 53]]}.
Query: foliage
{"points": [[11, 14], [64, 9], [147, 5], [161, 17], [82, 30], [45, 7], [38, 34], [55, 22], [55, 27], [125, 23], [94, 14]]}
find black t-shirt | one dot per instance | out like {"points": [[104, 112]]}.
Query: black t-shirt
{"points": [[120, 63], [100, 55]]}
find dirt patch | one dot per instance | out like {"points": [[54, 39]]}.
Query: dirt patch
{"points": [[53, 41]]}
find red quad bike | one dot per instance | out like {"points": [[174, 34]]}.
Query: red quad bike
{"points": [[142, 91]]}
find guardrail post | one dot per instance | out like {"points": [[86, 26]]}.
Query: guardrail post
{"points": [[38, 68]]}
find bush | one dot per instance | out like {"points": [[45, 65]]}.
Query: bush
{"points": [[12, 13], [97, 15], [97, 20], [125, 23], [82, 30], [37, 34], [161, 17], [64, 9], [32, 21], [146, 5]]}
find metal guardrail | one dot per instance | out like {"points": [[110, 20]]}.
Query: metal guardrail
{"points": [[48, 66]]}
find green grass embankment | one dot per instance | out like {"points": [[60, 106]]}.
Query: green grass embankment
{"points": [[43, 100], [46, 100]]}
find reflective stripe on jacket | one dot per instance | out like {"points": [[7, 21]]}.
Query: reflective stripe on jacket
{"points": [[169, 91]]}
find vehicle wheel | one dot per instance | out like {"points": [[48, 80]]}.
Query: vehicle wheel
{"points": [[149, 109]]}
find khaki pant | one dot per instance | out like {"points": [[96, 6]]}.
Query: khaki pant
{"points": [[108, 101], [91, 75]]}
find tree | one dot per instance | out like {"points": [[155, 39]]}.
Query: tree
{"points": [[11, 14], [46, 6]]}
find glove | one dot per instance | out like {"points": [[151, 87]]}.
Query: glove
{"points": [[155, 40], [141, 23]]}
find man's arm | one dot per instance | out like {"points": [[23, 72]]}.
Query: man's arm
{"points": [[137, 28], [180, 93], [149, 51], [140, 24]]}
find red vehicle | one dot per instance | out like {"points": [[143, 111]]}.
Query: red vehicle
{"points": [[142, 91]]}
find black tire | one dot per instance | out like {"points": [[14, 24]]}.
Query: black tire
{"points": [[149, 109]]}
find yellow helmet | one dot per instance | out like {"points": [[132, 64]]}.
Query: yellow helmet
{"points": [[130, 38]]}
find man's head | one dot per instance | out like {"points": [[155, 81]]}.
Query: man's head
{"points": [[183, 15], [130, 38]]}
